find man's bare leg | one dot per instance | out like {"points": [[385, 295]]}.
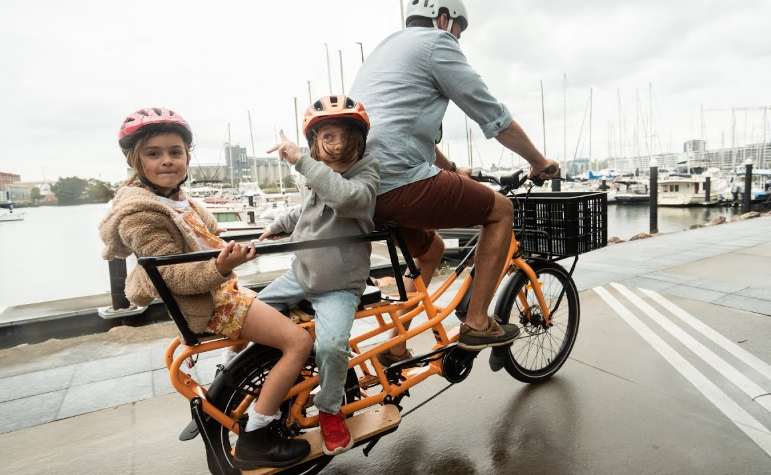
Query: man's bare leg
{"points": [[427, 263], [490, 258]]}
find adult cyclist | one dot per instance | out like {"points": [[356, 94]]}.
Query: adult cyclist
{"points": [[406, 84]]}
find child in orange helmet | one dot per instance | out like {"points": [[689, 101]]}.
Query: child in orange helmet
{"points": [[338, 199]]}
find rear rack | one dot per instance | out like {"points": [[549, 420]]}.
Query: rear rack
{"points": [[151, 265]]}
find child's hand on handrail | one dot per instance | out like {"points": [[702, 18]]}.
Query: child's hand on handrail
{"points": [[268, 234], [232, 256]]}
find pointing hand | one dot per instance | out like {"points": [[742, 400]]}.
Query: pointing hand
{"points": [[287, 150]]}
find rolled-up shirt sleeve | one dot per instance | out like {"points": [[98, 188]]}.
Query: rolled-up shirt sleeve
{"points": [[457, 80]]}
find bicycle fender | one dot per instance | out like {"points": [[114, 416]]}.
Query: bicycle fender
{"points": [[253, 352], [510, 287], [498, 354]]}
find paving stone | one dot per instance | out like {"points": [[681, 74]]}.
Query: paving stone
{"points": [[161, 383], [745, 303], [39, 382], [695, 293], [761, 293], [670, 277], [100, 395], [110, 368], [724, 287], [29, 411], [646, 283]]}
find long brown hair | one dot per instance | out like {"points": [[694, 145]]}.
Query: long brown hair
{"points": [[354, 142]]}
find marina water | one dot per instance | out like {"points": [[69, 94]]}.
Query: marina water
{"points": [[54, 253]]}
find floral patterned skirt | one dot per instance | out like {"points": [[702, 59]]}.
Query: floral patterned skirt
{"points": [[231, 303]]}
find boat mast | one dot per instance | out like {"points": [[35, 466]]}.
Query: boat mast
{"points": [[565, 117], [230, 155], [543, 119], [620, 127], [329, 73], [342, 77], [591, 93], [251, 134]]}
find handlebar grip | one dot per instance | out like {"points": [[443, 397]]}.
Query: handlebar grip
{"points": [[538, 181]]}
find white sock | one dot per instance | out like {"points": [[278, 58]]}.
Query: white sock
{"points": [[258, 421], [226, 356]]}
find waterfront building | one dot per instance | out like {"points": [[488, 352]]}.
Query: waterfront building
{"points": [[244, 168], [728, 159]]}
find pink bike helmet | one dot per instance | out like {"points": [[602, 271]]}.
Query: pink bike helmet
{"points": [[151, 116]]}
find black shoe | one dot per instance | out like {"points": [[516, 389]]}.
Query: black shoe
{"points": [[494, 335], [266, 448]]}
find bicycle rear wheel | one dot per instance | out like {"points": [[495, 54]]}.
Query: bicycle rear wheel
{"points": [[541, 350], [246, 376]]}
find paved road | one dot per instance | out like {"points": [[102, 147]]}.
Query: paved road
{"points": [[670, 374]]}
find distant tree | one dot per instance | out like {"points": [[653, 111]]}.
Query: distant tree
{"points": [[99, 191], [70, 190], [289, 182], [34, 194]]}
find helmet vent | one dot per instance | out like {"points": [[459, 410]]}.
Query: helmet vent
{"points": [[157, 111], [318, 106]]}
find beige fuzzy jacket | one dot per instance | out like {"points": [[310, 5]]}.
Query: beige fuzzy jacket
{"points": [[141, 224]]}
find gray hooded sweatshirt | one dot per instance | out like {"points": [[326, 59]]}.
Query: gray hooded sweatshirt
{"points": [[333, 205]]}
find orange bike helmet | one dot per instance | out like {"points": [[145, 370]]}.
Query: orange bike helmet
{"points": [[334, 107]]}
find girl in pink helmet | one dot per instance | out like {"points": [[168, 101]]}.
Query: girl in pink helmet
{"points": [[152, 216]]}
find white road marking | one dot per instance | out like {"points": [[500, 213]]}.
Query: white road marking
{"points": [[731, 347], [723, 367], [741, 418]]}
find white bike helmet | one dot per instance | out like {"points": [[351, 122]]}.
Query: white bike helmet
{"points": [[430, 9]]}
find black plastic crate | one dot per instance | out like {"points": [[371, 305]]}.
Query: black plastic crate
{"points": [[561, 223]]}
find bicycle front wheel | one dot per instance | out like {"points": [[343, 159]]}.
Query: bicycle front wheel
{"points": [[541, 350]]}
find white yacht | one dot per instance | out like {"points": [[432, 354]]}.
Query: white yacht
{"points": [[687, 186], [11, 215]]}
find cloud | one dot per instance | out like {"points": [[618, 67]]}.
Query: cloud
{"points": [[76, 69]]}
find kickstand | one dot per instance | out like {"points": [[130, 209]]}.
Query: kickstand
{"points": [[217, 466], [371, 444]]}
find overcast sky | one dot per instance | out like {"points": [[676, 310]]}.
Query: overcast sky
{"points": [[71, 71]]}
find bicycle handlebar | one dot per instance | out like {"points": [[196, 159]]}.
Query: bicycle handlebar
{"points": [[512, 182]]}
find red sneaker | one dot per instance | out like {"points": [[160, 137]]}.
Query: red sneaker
{"points": [[337, 438]]}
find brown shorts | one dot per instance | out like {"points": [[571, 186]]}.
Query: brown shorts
{"points": [[446, 200]]}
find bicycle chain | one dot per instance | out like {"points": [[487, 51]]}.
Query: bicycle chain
{"points": [[426, 401]]}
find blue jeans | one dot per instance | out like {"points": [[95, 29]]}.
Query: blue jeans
{"points": [[334, 318]]}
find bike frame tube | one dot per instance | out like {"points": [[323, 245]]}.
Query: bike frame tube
{"points": [[187, 386]]}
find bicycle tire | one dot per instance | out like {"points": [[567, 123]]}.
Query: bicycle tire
{"points": [[540, 351], [249, 372]]}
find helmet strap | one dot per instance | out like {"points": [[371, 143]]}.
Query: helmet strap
{"points": [[173, 191], [449, 23]]}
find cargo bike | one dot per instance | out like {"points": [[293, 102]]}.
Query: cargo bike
{"points": [[534, 290]]}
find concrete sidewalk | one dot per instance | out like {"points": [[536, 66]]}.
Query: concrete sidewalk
{"points": [[726, 265]]}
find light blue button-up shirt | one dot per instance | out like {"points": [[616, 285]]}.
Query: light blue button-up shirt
{"points": [[405, 85]]}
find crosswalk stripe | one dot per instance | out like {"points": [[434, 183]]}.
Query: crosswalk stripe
{"points": [[731, 347], [741, 418], [723, 367]]}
